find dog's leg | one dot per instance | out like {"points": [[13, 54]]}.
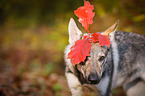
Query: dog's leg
{"points": [[135, 88], [74, 84]]}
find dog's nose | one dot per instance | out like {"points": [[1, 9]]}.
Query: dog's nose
{"points": [[93, 78]]}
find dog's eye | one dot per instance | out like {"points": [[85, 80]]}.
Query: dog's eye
{"points": [[101, 58], [82, 63]]}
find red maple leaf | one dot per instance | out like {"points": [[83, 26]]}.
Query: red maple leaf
{"points": [[79, 51], [104, 40], [85, 14], [94, 37]]}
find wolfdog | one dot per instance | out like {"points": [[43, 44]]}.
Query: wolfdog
{"points": [[121, 64]]}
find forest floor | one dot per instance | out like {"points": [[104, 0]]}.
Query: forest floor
{"points": [[16, 80]]}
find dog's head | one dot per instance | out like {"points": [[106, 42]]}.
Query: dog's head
{"points": [[92, 68]]}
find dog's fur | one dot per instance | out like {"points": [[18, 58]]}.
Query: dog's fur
{"points": [[123, 64]]}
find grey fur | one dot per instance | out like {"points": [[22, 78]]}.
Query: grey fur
{"points": [[131, 65]]}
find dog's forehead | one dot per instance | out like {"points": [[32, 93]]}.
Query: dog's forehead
{"points": [[95, 48]]}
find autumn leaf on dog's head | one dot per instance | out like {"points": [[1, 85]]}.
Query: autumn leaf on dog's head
{"points": [[79, 51], [85, 14], [101, 39], [104, 40], [94, 37]]}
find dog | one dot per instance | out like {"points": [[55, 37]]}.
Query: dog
{"points": [[121, 64]]}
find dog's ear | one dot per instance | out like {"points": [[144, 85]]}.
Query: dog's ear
{"points": [[111, 29], [74, 32]]}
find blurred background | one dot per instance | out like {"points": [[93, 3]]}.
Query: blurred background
{"points": [[34, 33]]}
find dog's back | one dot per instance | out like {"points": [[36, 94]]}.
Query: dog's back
{"points": [[129, 61]]}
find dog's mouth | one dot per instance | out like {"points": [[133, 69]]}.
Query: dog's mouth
{"points": [[94, 82], [86, 81]]}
